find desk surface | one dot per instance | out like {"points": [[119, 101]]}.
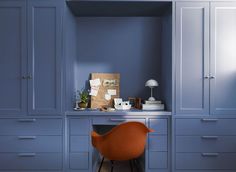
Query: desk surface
{"points": [[118, 112]]}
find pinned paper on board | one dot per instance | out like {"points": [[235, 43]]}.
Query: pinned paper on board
{"points": [[94, 84], [107, 96], [111, 92]]}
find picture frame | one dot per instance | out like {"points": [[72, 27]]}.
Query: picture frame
{"points": [[135, 102]]}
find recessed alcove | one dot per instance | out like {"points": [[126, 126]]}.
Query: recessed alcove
{"points": [[127, 37]]}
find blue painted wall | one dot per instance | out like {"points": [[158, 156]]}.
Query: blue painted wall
{"points": [[130, 46]]}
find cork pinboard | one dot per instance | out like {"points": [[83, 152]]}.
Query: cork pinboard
{"points": [[109, 81]]}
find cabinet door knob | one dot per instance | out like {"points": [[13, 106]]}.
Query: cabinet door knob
{"points": [[206, 77], [212, 77], [29, 77], [210, 154], [210, 137], [26, 154], [23, 77]]}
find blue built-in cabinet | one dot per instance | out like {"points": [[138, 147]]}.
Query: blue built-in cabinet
{"points": [[205, 58], [188, 46], [205, 100], [13, 57], [31, 55], [82, 157], [31, 84], [44, 56]]}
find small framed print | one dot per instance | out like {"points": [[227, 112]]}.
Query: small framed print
{"points": [[135, 102], [138, 104], [132, 102]]}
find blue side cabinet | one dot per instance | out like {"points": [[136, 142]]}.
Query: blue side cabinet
{"points": [[205, 58], [223, 58], [13, 57], [30, 57], [192, 58], [44, 56]]}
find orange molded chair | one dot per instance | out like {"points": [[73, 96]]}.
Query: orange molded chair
{"points": [[124, 142]]}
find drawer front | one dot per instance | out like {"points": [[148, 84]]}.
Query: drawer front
{"points": [[79, 161], [31, 143], [205, 126], [158, 125], [157, 160], [79, 143], [32, 126], [30, 161], [115, 120], [79, 126], [206, 161], [157, 143], [206, 143]]}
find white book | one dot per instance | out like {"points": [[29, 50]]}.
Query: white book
{"points": [[153, 106], [153, 102]]}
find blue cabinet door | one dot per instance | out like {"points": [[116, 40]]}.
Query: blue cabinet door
{"points": [[192, 58], [223, 58], [13, 57], [44, 56]]}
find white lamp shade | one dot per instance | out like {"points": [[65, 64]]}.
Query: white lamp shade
{"points": [[151, 83]]}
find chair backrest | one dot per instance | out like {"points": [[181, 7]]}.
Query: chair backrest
{"points": [[124, 142]]}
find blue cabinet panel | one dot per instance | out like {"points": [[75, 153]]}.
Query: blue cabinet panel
{"points": [[157, 143], [158, 125], [223, 58], [205, 126], [206, 160], [157, 160], [13, 57], [30, 126], [79, 161], [79, 143], [30, 143], [192, 58], [30, 161], [79, 126], [206, 143], [45, 55]]}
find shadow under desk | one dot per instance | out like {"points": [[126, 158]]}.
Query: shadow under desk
{"points": [[82, 157]]}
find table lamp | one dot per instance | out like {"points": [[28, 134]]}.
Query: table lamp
{"points": [[151, 83]]}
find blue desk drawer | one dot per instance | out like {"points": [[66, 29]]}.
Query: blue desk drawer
{"points": [[31, 143], [159, 125], [79, 161], [115, 120], [30, 161], [157, 143], [79, 143], [79, 126], [30, 126], [205, 126], [206, 144], [157, 160], [206, 161]]}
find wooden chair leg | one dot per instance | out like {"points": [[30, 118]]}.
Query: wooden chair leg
{"points": [[100, 167], [112, 165]]}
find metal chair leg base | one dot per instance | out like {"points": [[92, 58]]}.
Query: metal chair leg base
{"points": [[100, 167]]}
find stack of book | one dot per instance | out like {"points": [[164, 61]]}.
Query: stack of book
{"points": [[153, 105]]}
